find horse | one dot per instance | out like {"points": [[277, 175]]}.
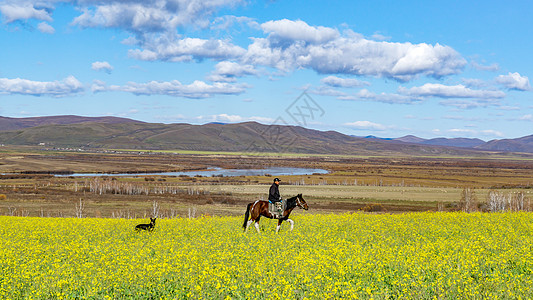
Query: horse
{"points": [[259, 208], [148, 227]]}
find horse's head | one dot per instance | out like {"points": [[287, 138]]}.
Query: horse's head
{"points": [[301, 202]]}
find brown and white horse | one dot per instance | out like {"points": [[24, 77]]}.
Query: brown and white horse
{"points": [[259, 208]]}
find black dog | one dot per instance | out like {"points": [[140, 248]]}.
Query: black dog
{"points": [[148, 227]]}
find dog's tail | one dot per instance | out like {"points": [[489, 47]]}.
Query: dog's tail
{"points": [[246, 215]]}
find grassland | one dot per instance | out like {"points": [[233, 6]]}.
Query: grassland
{"points": [[396, 184], [198, 249], [346, 256]]}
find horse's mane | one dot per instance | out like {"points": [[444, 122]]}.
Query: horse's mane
{"points": [[291, 202]]}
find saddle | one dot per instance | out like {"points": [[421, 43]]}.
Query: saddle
{"points": [[273, 209]]}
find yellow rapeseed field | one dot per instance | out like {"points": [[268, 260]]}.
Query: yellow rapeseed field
{"points": [[404, 256]]}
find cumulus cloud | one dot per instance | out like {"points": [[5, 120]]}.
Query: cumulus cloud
{"points": [[288, 30], [335, 81], [365, 94], [474, 82], [514, 81], [491, 132], [197, 89], [287, 45], [228, 21], [65, 87], [133, 15], [19, 10], [294, 44], [228, 71], [379, 37], [225, 118], [45, 28], [366, 125], [149, 16], [472, 132], [175, 49], [447, 91], [102, 66]]}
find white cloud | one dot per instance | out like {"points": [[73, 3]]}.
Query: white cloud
{"points": [[379, 37], [459, 132], [473, 82], [102, 66], [491, 132], [462, 131], [288, 30], [493, 67], [45, 28], [528, 117], [149, 16], [225, 118], [168, 48], [471, 103], [226, 22], [366, 95], [65, 87], [387, 98], [514, 81], [366, 125], [294, 44], [446, 91], [343, 82], [197, 89], [19, 10], [228, 71]]}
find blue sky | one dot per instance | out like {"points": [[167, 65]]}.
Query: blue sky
{"points": [[385, 68]]}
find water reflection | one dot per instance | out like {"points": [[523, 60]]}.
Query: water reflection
{"points": [[275, 171]]}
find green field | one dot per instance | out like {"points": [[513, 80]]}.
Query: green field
{"points": [[366, 256]]}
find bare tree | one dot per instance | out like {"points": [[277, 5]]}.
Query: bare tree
{"points": [[79, 209], [468, 201], [192, 213], [155, 209]]}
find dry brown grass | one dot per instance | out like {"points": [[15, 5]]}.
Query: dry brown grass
{"points": [[395, 184]]}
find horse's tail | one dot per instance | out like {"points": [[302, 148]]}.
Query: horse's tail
{"points": [[246, 215]]}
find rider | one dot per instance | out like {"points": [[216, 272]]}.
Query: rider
{"points": [[274, 196]]}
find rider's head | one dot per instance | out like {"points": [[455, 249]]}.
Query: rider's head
{"points": [[277, 180]]}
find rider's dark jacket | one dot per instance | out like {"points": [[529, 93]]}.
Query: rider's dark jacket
{"points": [[273, 193]]}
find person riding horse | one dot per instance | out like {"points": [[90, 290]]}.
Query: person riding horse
{"points": [[274, 196]]}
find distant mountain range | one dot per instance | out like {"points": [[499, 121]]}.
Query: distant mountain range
{"points": [[122, 133], [20, 123], [453, 142], [523, 144]]}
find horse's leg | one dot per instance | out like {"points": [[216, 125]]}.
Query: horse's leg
{"points": [[257, 226], [279, 225], [292, 223], [248, 225]]}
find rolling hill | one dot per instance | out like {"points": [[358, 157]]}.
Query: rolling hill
{"points": [[523, 144], [120, 133], [20, 123], [450, 142]]}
